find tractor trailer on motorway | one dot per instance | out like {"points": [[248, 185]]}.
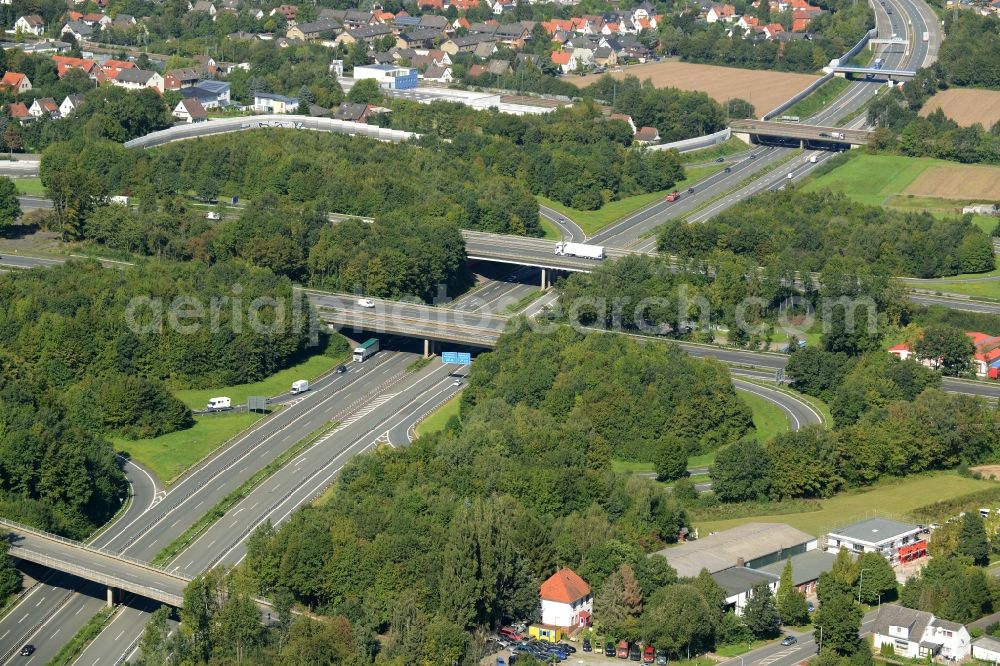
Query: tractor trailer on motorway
{"points": [[581, 250]]}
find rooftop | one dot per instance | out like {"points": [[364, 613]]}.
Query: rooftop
{"points": [[564, 586], [806, 567], [875, 530], [737, 580], [723, 550]]}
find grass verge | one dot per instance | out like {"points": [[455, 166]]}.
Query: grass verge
{"points": [[419, 364], [736, 649], [227, 502], [525, 301], [316, 365], [88, 632], [768, 419], [592, 221], [989, 289], [168, 456], [550, 229], [729, 147], [438, 419], [895, 497], [820, 97], [29, 186]]}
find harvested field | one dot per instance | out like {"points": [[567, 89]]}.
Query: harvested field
{"points": [[959, 181], [765, 90], [988, 471], [966, 106]]}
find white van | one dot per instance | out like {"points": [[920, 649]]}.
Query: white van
{"points": [[213, 216], [791, 176], [812, 159], [219, 404], [300, 386]]}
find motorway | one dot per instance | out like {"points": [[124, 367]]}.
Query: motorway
{"points": [[336, 397]]}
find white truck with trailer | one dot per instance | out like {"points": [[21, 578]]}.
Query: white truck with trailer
{"points": [[582, 250]]}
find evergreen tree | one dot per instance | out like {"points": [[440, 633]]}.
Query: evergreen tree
{"points": [[760, 614], [619, 600], [791, 602], [10, 209], [972, 541]]}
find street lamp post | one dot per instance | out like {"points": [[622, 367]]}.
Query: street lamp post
{"points": [[861, 580]]}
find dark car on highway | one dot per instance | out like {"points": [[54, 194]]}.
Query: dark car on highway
{"points": [[28, 650]]}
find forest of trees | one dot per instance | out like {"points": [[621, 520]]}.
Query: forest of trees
{"points": [[473, 518], [804, 231]]}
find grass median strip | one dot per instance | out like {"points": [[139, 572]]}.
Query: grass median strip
{"points": [[525, 301], [220, 509], [88, 632]]}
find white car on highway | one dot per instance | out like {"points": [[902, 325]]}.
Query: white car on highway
{"points": [[366, 303]]}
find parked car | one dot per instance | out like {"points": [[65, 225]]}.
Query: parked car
{"points": [[648, 655], [622, 652], [587, 647], [501, 661], [810, 607], [366, 303], [609, 649], [509, 632], [634, 653], [661, 658], [790, 640]]}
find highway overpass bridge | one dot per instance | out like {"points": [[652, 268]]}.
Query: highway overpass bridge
{"points": [[535, 252], [873, 73], [808, 136], [95, 564]]}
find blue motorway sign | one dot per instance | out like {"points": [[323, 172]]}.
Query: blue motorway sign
{"points": [[456, 358]]}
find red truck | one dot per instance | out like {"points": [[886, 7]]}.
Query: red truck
{"points": [[672, 197]]}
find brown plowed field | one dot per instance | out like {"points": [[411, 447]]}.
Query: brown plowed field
{"points": [[765, 90], [957, 182], [966, 106]]}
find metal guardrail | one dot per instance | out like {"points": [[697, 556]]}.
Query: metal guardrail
{"points": [[798, 97], [695, 143]]}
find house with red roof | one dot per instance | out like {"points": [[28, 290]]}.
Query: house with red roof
{"points": [[16, 82], [566, 599], [19, 111], [772, 30], [66, 63], [986, 360]]}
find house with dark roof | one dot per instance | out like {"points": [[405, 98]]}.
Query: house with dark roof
{"points": [[137, 79], [806, 568], [190, 110], [70, 104], [438, 74], [986, 648], [353, 112], [30, 24], [739, 582], [418, 38], [182, 77], [915, 634], [324, 27], [78, 29], [567, 600], [366, 34]]}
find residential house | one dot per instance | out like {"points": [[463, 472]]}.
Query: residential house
{"points": [[15, 82], [208, 64], [466, 44], [365, 34], [30, 24], [717, 13], [137, 79], [501, 7], [513, 35], [485, 49], [897, 542], [625, 118], [646, 136], [210, 94], [417, 38], [605, 56], [806, 568], [66, 63], [78, 29], [464, 5], [986, 648], [45, 106], [985, 360], [182, 77], [70, 104], [19, 111], [438, 74], [772, 30], [321, 28], [566, 599], [351, 19], [111, 68], [738, 582], [352, 112], [476, 71], [532, 58], [204, 6], [435, 21], [431, 5], [562, 59], [915, 634], [190, 111], [288, 11], [120, 22], [498, 67], [271, 103]]}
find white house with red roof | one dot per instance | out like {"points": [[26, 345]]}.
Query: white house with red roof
{"points": [[566, 600], [986, 360], [16, 82]]}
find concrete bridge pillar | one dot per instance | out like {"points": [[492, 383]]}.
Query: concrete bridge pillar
{"points": [[544, 278], [111, 597], [428, 347]]}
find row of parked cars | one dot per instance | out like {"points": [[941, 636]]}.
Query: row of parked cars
{"points": [[630, 651]]}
